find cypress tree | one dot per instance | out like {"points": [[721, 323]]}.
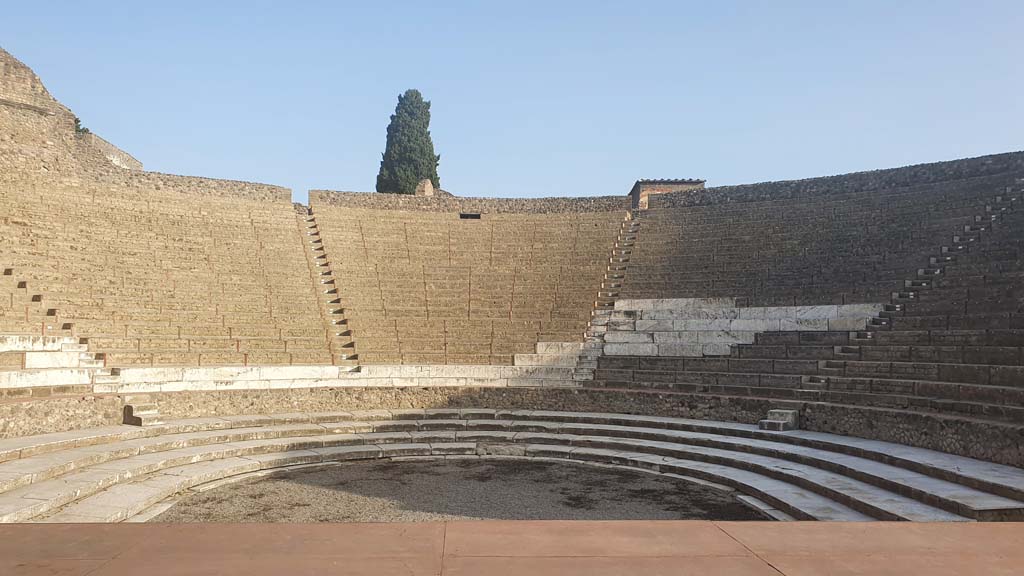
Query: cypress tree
{"points": [[409, 153]]}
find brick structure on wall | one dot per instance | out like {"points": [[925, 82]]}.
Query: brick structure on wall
{"points": [[643, 189]]}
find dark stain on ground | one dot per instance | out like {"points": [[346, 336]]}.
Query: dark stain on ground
{"points": [[428, 490]]}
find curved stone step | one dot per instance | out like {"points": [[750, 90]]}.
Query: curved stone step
{"points": [[987, 476], [27, 502], [865, 498], [480, 425], [122, 501], [949, 496], [995, 478]]}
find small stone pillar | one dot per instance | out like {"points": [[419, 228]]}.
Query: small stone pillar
{"points": [[644, 189], [425, 188]]}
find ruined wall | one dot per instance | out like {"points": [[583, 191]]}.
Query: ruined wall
{"points": [[115, 155], [20, 86], [39, 149]]}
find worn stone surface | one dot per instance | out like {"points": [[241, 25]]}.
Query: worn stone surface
{"points": [[57, 414], [695, 327], [465, 204], [457, 489]]}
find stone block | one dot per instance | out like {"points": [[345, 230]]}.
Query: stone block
{"points": [[35, 359], [676, 337], [653, 325], [859, 310], [726, 337], [707, 365], [716, 349], [548, 359], [755, 324], [803, 324], [233, 373], [618, 363], [680, 349], [701, 325], [1011, 376], [750, 365], [963, 373], [44, 377], [558, 347], [816, 312], [630, 349], [778, 312], [626, 337], [847, 324], [803, 367], [14, 343], [674, 303], [616, 324]]}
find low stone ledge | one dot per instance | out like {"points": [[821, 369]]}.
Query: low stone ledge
{"points": [[991, 441], [377, 201], [150, 380], [695, 327]]}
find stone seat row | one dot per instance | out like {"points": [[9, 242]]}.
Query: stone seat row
{"points": [[401, 265], [110, 474], [992, 355], [997, 398], [781, 259], [253, 357], [553, 318], [173, 268], [927, 198], [808, 295]]}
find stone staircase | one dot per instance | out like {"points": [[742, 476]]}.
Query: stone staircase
{"points": [[47, 364], [141, 410], [988, 218], [114, 473], [25, 310], [339, 334], [834, 371], [611, 287]]}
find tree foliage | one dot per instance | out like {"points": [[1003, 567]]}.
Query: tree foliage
{"points": [[79, 129], [409, 153]]}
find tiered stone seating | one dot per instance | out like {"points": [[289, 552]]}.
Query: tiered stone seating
{"points": [[949, 344], [23, 310], [422, 287], [115, 473], [155, 277], [825, 248]]}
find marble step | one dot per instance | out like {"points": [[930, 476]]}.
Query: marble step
{"points": [[919, 466], [121, 501], [676, 443]]}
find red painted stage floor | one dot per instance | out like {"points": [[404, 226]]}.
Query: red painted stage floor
{"points": [[498, 548]]}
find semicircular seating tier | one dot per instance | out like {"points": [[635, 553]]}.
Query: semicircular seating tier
{"points": [[119, 473], [887, 303], [160, 276], [429, 287]]}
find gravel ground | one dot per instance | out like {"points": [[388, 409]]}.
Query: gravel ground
{"points": [[431, 490]]}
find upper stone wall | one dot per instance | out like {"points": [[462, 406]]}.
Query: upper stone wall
{"points": [[39, 147], [20, 86], [409, 202], [887, 179]]}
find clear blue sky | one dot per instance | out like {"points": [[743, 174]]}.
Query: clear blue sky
{"points": [[534, 98]]}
